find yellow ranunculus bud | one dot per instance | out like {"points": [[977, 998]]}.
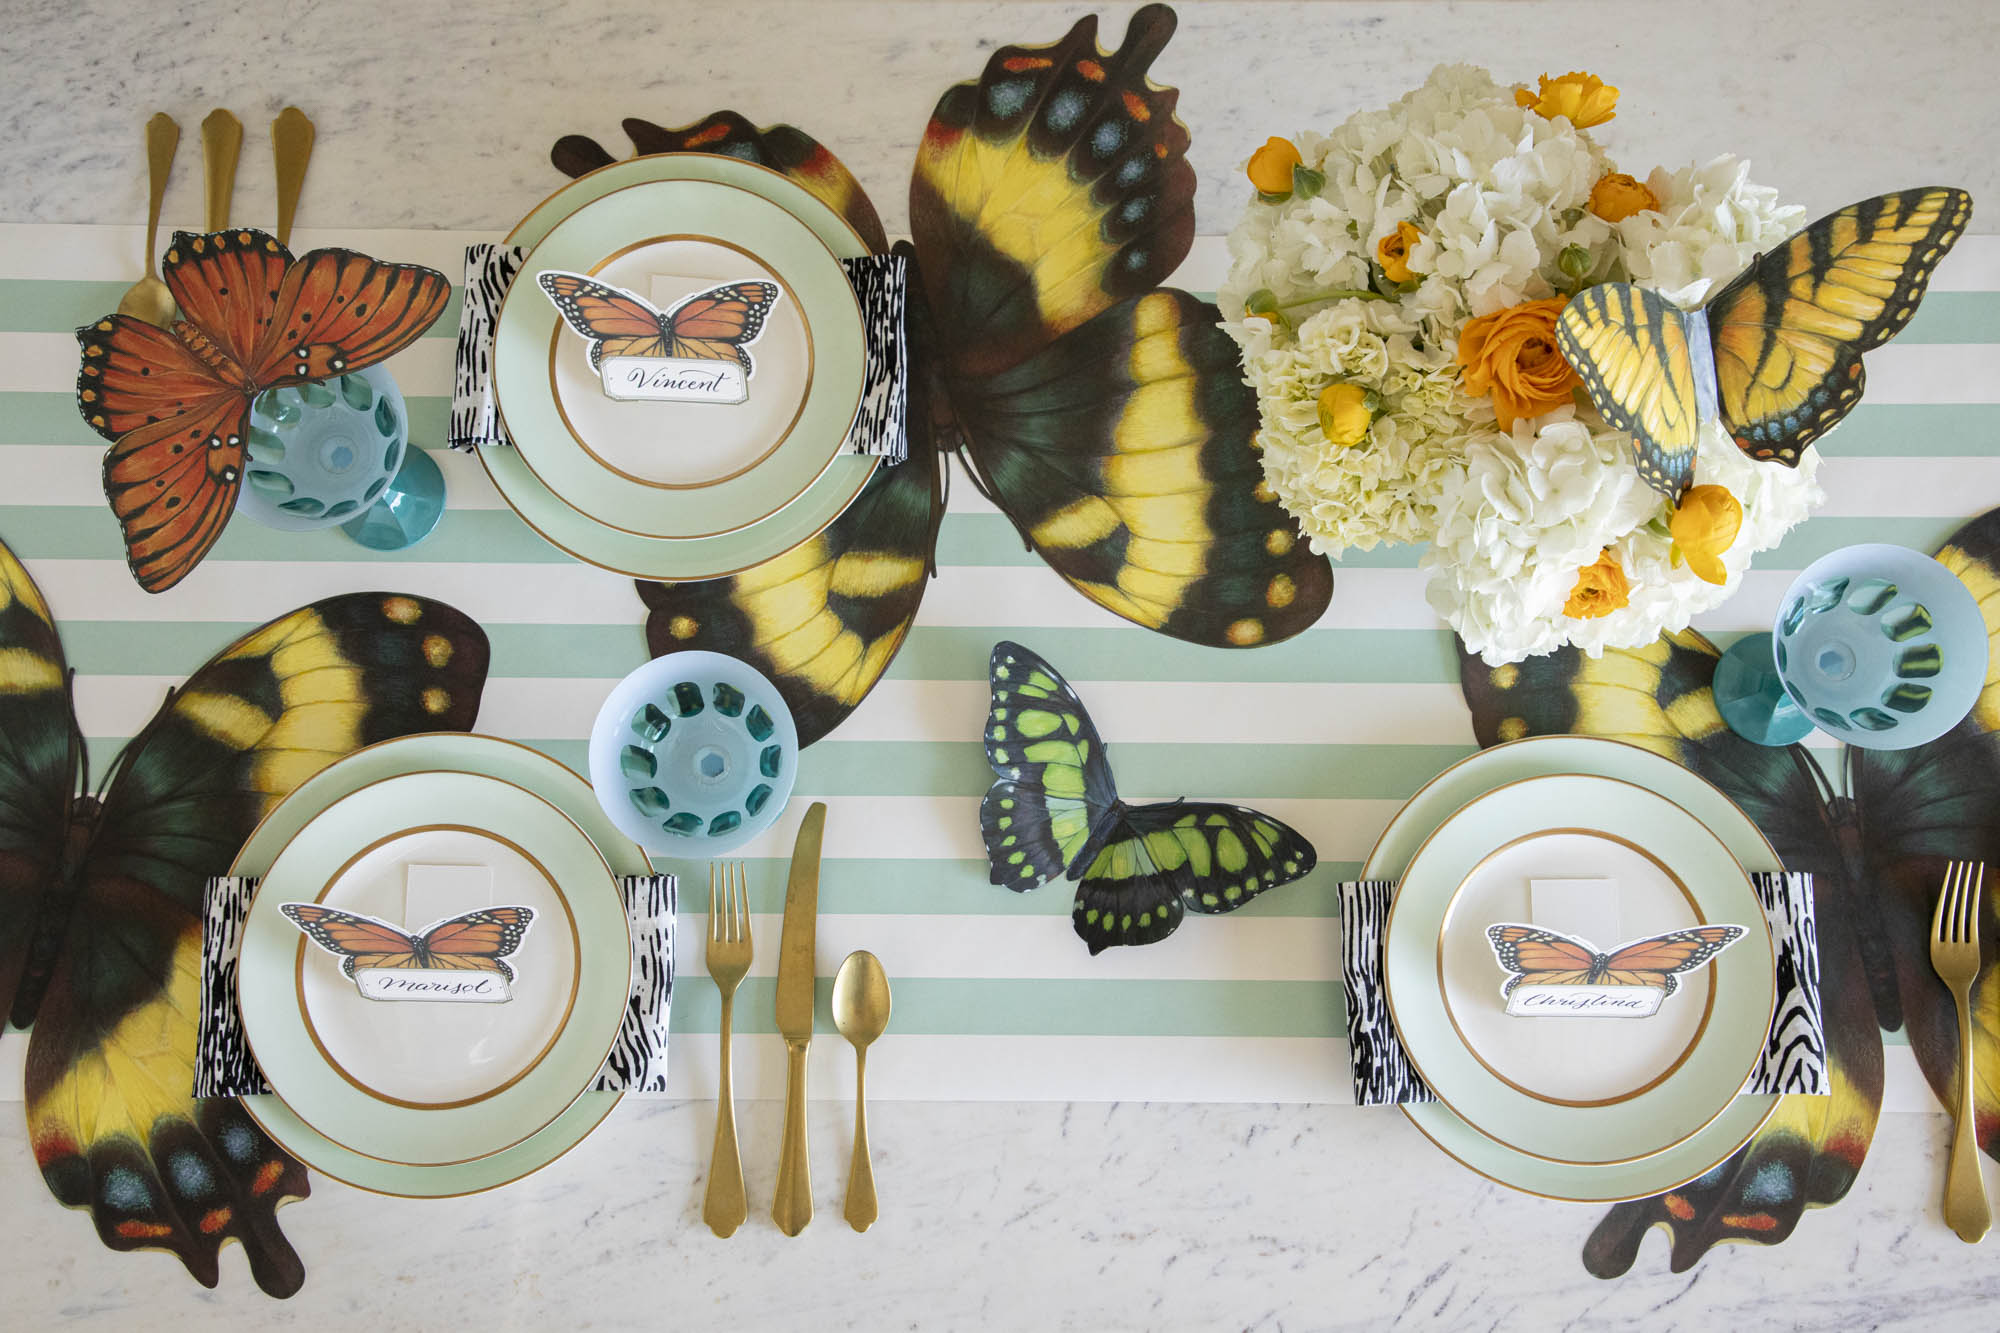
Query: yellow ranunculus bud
{"points": [[1704, 526], [1586, 99], [1344, 414], [1617, 196], [1600, 588], [1393, 251], [1270, 168]]}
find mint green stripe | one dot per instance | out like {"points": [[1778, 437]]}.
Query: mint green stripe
{"points": [[486, 536], [1148, 770], [35, 305], [51, 418], [1915, 430], [1043, 1007], [898, 887], [104, 647], [1955, 317]]}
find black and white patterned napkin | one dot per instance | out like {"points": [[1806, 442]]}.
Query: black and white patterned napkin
{"points": [[1794, 1052], [880, 284], [638, 1060]]}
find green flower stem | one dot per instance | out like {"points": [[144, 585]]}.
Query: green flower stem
{"points": [[1337, 294]]}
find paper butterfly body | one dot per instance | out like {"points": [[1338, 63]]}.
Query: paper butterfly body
{"points": [[1546, 958], [476, 941], [716, 325], [175, 402], [1777, 353], [1055, 811]]}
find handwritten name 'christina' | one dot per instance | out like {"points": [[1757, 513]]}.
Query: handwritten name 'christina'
{"points": [[1588, 1002]]}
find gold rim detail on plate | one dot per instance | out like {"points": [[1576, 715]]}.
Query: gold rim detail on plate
{"points": [[1451, 1014], [861, 380], [611, 875], [1411, 1111], [1389, 991], [569, 1006]]}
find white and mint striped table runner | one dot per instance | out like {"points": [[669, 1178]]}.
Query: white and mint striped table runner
{"points": [[995, 997]]}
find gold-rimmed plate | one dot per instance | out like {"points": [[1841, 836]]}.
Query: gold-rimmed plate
{"points": [[436, 752], [660, 467], [634, 554], [1593, 1090], [424, 1082], [1538, 756]]}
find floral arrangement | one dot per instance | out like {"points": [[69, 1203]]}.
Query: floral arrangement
{"points": [[1394, 288]]}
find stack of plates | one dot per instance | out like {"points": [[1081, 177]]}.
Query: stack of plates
{"points": [[682, 490], [1588, 1109], [427, 1098]]}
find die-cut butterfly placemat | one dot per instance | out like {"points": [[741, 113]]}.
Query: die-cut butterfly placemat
{"points": [[101, 895], [1876, 851], [1104, 414]]}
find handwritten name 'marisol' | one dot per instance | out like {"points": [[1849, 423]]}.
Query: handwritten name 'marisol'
{"points": [[399, 984]]}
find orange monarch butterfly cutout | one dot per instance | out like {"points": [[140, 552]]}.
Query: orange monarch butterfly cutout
{"points": [[1538, 957], [695, 351], [175, 401], [381, 958]]}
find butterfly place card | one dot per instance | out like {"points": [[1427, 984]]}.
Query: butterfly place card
{"points": [[460, 959], [695, 351], [1552, 975]]}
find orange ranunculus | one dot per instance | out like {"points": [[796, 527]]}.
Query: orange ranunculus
{"points": [[1511, 356], [1600, 588], [1393, 251], [1270, 168], [1586, 99], [1704, 525], [1617, 196]]}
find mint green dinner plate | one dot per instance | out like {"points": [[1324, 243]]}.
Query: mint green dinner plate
{"points": [[449, 752], [498, 1107], [671, 558], [1542, 756], [661, 217], [1718, 1022]]}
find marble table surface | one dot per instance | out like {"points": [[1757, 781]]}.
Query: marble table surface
{"points": [[994, 1215]]}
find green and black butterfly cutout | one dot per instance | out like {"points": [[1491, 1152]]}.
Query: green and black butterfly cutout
{"points": [[1054, 812]]}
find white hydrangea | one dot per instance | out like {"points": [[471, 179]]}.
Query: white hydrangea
{"points": [[1497, 194]]}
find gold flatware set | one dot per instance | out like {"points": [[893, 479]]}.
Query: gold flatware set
{"points": [[221, 145], [1955, 934], [861, 1012]]}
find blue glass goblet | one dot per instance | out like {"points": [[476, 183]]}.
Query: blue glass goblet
{"points": [[1878, 645], [336, 452]]}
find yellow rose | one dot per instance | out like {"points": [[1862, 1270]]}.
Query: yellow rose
{"points": [[1586, 99], [1344, 414], [1617, 196], [1393, 251], [1600, 589], [1705, 525], [1270, 168], [1512, 357]]}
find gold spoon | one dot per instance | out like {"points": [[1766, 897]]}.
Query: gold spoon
{"points": [[148, 299], [861, 1012], [291, 146], [221, 142]]}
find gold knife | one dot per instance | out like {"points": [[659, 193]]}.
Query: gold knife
{"points": [[792, 1205]]}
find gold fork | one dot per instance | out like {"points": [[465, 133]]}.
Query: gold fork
{"points": [[729, 949], [1955, 956]]}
